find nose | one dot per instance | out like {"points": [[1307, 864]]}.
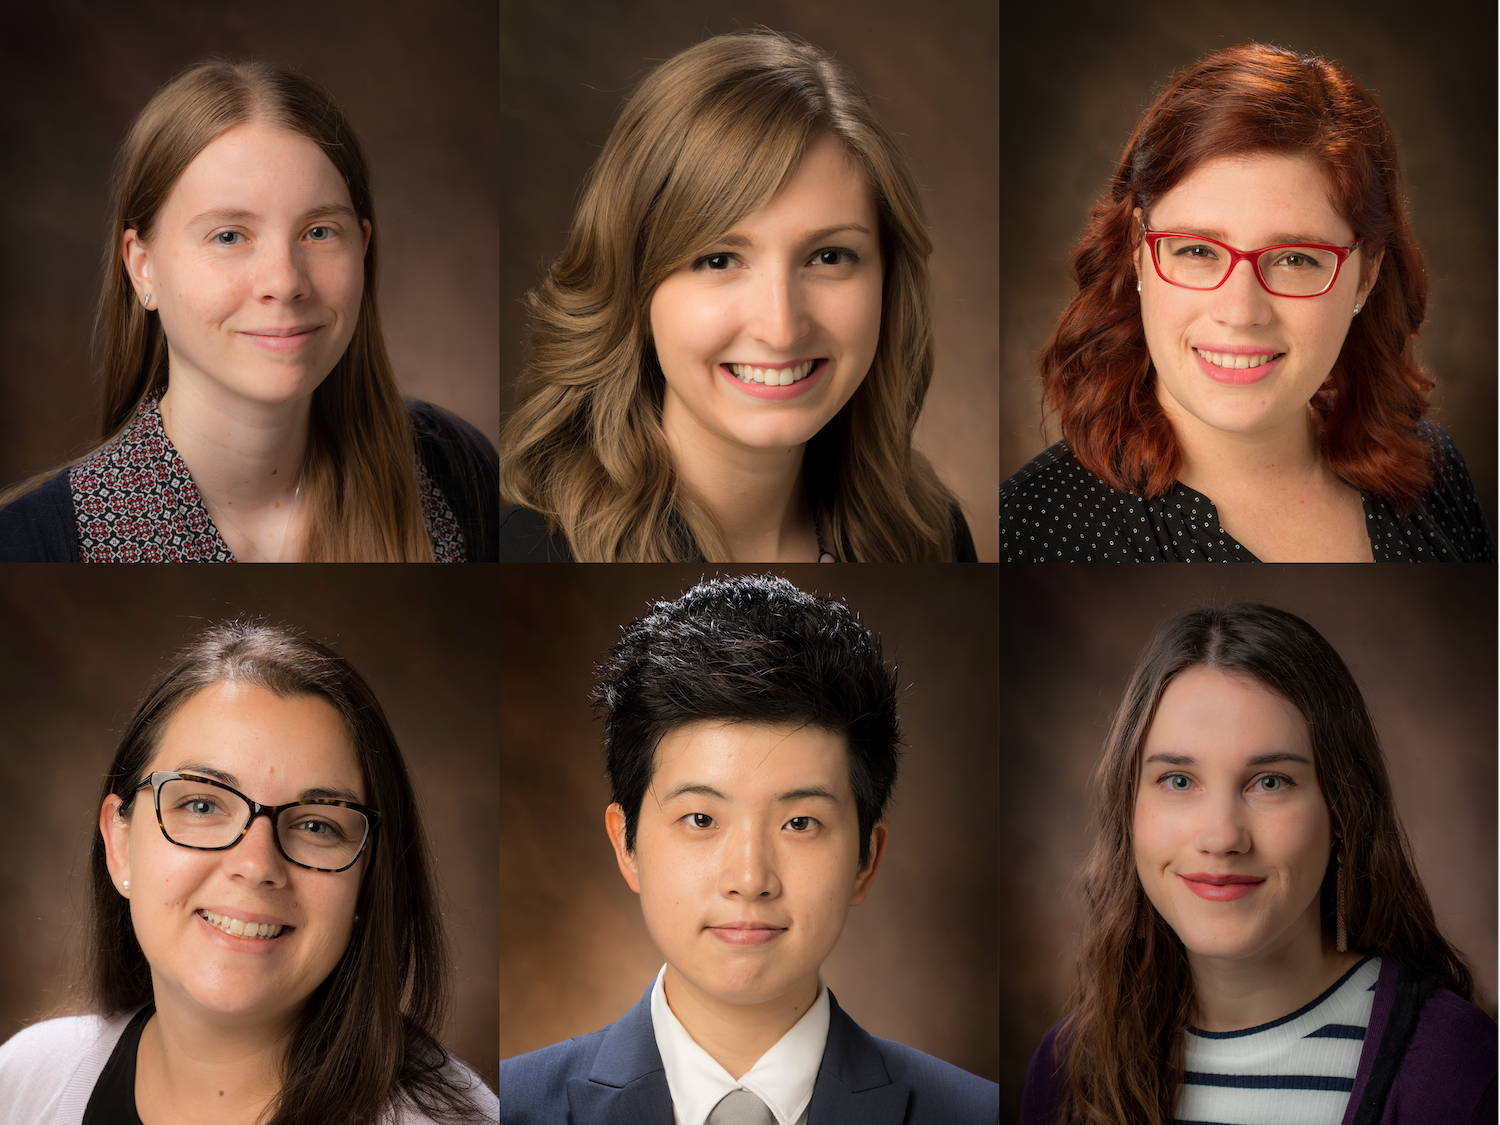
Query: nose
{"points": [[1241, 301], [1222, 828], [281, 272], [256, 858], [748, 868], [779, 317]]}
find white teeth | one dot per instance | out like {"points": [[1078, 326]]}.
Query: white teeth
{"points": [[772, 376], [240, 928], [1236, 362]]}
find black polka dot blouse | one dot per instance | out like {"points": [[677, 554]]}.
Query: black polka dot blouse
{"points": [[1055, 510]]}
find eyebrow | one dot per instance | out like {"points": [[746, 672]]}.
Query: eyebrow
{"points": [[802, 793], [1258, 760], [1276, 240], [811, 236], [333, 793], [236, 215]]}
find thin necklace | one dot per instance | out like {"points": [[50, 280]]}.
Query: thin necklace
{"points": [[288, 523]]}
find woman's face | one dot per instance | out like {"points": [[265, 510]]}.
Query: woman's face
{"points": [[255, 266], [275, 751], [1232, 835], [1197, 336], [766, 334]]}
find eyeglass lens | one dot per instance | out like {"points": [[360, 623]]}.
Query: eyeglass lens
{"points": [[1291, 271], [200, 815]]}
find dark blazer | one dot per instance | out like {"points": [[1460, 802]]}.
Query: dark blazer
{"points": [[615, 1077], [41, 526], [1428, 1059], [525, 537]]}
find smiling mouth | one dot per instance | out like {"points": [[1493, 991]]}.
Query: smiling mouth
{"points": [[1232, 362], [773, 376], [234, 926]]}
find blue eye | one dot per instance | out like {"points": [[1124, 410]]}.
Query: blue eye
{"points": [[228, 237], [323, 237]]}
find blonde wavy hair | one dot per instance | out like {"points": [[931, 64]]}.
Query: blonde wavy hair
{"points": [[708, 139], [360, 486]]}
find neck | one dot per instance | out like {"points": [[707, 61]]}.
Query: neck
{"points": [[1233, 994], [1220, 464], [757, 496], [194, 1066], [246, 459], [736, 1035]]}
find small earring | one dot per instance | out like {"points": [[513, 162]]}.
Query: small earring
{"points": [[1138, 288], [1357, 308], [124, 884], [146, 304], [1340, 934]]}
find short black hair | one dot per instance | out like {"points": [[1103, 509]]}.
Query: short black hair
{"points": [[752, 649]]}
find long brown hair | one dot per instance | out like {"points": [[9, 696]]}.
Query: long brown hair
{"points": [[1133, 996], [1096, 370], [368, 1032], [708, 139], [360, 477]]}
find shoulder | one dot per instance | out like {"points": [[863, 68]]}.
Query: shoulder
{"points": [[459, 1077], [940, 1090], [1451, 502], [1448, 1072], [49, 1069], [465, 467], [525, 537], [1045, 1080], [963, 540], [40, 526], [435, 425], [534, 1086]]}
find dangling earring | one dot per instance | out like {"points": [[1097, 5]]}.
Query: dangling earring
{"points": [[1340, 934]]}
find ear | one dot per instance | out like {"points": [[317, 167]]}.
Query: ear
{"points": [[366, 224], [614, 826], [866, 874], [137, 258], [115, 830], [1370, 275]]}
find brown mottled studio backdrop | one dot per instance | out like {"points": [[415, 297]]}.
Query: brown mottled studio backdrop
{"points": [[931, 68], [417, 80], [1078, 76], [1421, 646], [78, 647], [916, 962]]}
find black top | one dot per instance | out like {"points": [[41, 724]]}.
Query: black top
{"points": [[42, 526], [1055, 510], [524, 537], [113, 1099]]}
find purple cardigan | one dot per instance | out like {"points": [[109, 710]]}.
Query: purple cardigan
{"points": [[1445, 1077]]}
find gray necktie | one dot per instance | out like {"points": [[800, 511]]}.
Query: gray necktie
{"points": [[741, 1107]]}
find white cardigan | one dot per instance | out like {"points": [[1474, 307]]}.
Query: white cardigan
{"points": [[48, 1072]]}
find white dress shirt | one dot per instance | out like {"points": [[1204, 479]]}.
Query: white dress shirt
{"points": [[783, 1077]]}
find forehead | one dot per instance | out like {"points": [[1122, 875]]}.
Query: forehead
{"points": [[274, 746], [261, 168], [1272, 192], [1220, 717], [827, 186], [750, 759]]}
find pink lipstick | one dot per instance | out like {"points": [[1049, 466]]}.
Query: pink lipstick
{"points": [[1221, 888], [747, 933]]}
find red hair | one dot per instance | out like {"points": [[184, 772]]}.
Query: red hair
{"points": [[1096, 371]]}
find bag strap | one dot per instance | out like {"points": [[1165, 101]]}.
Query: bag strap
{"points": [[1412, 991]]}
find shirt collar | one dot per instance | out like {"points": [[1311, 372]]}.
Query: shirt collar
{"points": [[783, 1077]]}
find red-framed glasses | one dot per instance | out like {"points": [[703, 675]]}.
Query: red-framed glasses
{"points": [[1295, 269]]}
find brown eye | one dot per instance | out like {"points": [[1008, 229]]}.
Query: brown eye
{"points": [[701, 820], [800, 823]]}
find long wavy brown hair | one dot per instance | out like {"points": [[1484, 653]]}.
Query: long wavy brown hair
{"points": [[1096, 370], [1122, 1044], [359, 482], [368, 1034], [708, 139]]}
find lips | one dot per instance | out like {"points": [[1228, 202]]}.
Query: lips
{"points": [[1221, 888], [248, 926], [775, 391], [1237, 366], [283, 339], [747, 933]]}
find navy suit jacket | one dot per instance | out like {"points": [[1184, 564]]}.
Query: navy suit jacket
{"points": [[615, 1077]]}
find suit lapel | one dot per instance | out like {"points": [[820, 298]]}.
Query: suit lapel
{"points": [[853, 1086], [626, 1082]]}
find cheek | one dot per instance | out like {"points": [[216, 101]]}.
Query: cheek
{"points": [[340, 280], [689, 326]]}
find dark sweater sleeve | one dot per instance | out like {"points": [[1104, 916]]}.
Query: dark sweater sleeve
{"points": [[963, 541], [463, 463], [41, 526]]}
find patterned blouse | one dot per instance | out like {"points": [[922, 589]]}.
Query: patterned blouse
{"points": [[135, 501]]}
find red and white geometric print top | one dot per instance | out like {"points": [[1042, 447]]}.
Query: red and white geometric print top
{"points": [[135, 501]]}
